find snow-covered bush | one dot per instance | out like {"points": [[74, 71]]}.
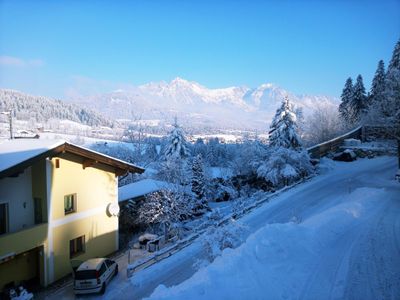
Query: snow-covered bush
{"points": [[248, 156], [221, 190], [285, 166], [238, 205], [216, 239]]}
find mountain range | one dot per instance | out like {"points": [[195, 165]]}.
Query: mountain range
{"points": [[195, 105]]}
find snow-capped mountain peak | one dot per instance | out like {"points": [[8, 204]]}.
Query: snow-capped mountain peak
{"points": [[233, 107]]}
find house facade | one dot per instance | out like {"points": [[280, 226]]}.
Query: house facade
{"points": [[58, 202]]}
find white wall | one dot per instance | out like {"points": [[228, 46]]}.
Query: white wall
{"points": [[16, 191]]}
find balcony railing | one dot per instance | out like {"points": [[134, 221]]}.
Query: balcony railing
{"points": [[23, 240]]}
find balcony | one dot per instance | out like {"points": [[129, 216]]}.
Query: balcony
{"points": [[23, 240]]}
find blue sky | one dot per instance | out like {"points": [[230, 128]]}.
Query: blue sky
{"points": [[60, 48]]}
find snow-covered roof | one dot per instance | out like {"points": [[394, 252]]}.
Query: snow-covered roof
{"points": [[141, 188], [21, 153], [14, 152]]}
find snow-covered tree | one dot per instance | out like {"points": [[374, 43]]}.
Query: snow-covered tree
{"points": [[359, 102], [199, 147], [392, 88], [395, 61], [378, 86], [322, 125], [167, 207], [177, 146], [287, 161], [301, 122], [198, 184], [175, 171], [391, 107], [388, 113], [216, 153], [345, 109], [283, 128], [248, 157], [285, 166], [198, 179]]}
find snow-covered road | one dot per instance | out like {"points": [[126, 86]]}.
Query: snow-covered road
{"points": [[347, 245]]}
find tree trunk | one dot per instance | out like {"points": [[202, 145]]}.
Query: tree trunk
{"points": [[165, 230]]}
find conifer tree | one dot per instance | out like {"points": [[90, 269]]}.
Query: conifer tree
{"points": [[395, 61], [283, 128], [345, 112], [177, 147], [388, 114], [199, 186], [198, 181], [378, 85], [359, 101], [392, 87]]}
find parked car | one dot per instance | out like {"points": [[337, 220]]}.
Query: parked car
{"points": [[93, 275]]}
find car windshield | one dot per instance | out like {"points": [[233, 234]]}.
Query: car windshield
{"points": [[85, 274]]}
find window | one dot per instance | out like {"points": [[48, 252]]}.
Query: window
{"points": [[103, 269], [109, 263], [3, 218], [38, 210], [69, 204], [77, 246]]}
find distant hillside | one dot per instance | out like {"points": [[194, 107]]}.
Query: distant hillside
{"points": [[42, 109]]}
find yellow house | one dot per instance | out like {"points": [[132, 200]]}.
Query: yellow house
{"points": [[58, 202]]}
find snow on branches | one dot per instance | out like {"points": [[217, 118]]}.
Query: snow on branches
{"points": [[167, 207], [284, 166], [283, 128], [287, 160], [177, 146], [199, 186]]}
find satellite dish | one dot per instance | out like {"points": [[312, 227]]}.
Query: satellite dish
{"points": [[113, 209]]}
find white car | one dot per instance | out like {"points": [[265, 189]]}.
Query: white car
{"points": [[93, 275]]}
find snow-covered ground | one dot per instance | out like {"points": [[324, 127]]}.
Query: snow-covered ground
{"points": [[344, 244]]}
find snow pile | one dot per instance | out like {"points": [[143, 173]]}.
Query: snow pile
{"points": [[216, 239], [325, 165], [279, 260]]}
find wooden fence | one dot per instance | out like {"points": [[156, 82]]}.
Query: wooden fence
{"points": [[324, 148]]}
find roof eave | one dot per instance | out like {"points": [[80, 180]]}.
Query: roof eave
{"points": [[121, 168]]}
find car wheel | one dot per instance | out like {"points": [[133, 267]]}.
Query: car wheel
{"points": [[103, 289], [116, 270]]}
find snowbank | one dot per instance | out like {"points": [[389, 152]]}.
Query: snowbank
{"points": [[278, 260]]}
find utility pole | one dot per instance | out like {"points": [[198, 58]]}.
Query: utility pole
{"points": [[9, 113]]}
